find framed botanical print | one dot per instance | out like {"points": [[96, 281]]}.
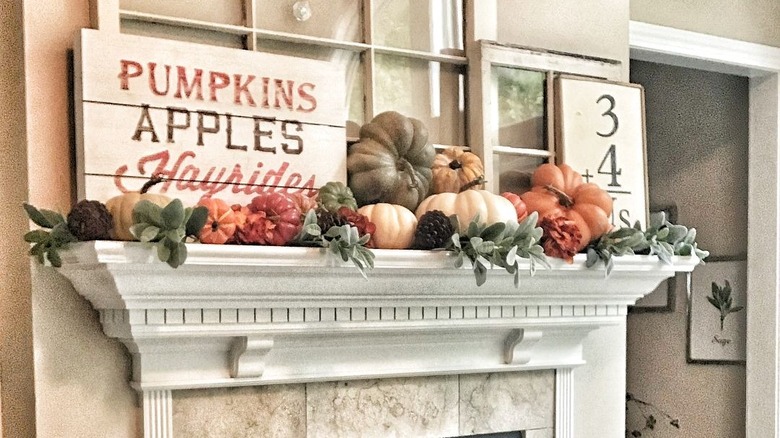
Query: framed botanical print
{"points": [[716, 312]]}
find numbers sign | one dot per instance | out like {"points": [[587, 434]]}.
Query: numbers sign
{"points": [[600, 131], [212, 121]]}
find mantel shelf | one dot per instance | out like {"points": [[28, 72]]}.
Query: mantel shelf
{"points": [[250, 315]]}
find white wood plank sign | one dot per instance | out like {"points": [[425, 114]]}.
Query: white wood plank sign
{"points": [[212, 121], [600, 132]]}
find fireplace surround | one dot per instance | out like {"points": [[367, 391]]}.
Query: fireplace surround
{"points": [[248, 317]]}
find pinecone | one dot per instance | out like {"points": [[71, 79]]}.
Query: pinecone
{"points": [[327, 219], [434, 229], [90, 220]]}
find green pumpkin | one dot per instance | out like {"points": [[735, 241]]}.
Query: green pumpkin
{"points": [[335, 195], [392, 161]]}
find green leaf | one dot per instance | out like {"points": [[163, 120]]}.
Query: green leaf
{"points": [[149, 234], [173, 215], [493, 231], [43, 218], [36, 236], [163, 252], [54, 257], [196, 221], [736, 309]]}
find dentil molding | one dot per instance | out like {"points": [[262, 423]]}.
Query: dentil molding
{"points": [[252, 315]]}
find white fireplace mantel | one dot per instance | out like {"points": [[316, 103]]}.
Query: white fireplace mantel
{"points": [[249, 315], [241, 315]]}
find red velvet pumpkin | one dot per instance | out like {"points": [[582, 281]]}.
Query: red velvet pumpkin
{"points": [[517, 202], [271, 219]]}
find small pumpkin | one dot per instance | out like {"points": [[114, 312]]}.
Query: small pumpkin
{"points": [[518, 204], [121, 208], [271, 219], [334, 195], [455, 170], [221, 222], [559, 191], [468, 204], [395, 225], [392, 161]]}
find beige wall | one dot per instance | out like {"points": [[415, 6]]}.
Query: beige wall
{"points": [[755, 21], [16, 351], [594, 28], [697, 157], [81, 376]]}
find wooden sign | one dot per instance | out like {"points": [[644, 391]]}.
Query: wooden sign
{"points": [[212, 121], [600, 131]]}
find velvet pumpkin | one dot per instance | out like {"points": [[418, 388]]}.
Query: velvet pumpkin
{"points": [[334, 195], [395, 225], [392, 161], [468, 204], [121, 208], [518, 204], [559, 191], [220, 224], [271, 219], [455, 170]]}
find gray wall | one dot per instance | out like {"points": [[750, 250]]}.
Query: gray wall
{"points": [[697, 134]]}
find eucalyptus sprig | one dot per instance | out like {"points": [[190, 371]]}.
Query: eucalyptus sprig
{"points": [[47, 244], [662, 238], [500, 244], [168, 227], [342, 241]]}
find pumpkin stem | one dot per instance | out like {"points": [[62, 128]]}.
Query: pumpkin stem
{"points": [[407, 167], [455, 165], [155, 179], [478, 181], [563, 199]]}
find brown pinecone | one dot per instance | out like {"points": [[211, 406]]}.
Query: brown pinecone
{"points": [[327, 219], [434, 230], [90, 220]]}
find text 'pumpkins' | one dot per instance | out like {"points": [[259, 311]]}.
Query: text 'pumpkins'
{"points": [[392, 161], [559, 191]]}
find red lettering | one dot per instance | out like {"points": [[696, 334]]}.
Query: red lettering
{"points": [[241, 89], [265, 92], [153, 79], [283, 94], [275, 175], [304, 94], [126, 74], [217, 81], [188, 87]]}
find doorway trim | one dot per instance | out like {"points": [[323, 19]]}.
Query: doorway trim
{"points": [[761, 65]]}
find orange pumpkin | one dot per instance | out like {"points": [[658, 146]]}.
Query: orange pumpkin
{"points": [[559, 191], [221, 223], [455, 170]]}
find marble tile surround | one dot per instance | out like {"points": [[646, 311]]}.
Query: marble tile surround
{"points": [[440, 406]]}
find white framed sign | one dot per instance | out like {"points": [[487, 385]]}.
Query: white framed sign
{"points": [[212, 121], [600, 131]]}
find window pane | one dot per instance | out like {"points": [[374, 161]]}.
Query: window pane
{"points": [[201, 36], [514, 172], [345, 59], [520, 107], [215, 11], [429, 91], [427, 25], [335, 19]]}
